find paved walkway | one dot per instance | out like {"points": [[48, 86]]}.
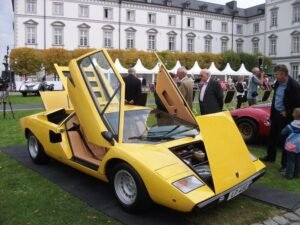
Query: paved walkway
{"points": [[289, 218]]}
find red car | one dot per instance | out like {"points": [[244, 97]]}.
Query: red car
{"points": [[253, 122]]}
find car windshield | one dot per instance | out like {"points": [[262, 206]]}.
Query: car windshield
{"points": [[148, 126]]}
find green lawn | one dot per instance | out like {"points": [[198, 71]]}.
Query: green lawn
{"points": [[19, 99], [28, 198]]}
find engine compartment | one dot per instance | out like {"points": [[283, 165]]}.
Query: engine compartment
{"points": [[194, 155]]}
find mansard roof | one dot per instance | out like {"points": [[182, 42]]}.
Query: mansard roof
{"points": [[200, 6]]}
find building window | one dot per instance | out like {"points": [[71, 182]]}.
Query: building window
{"points": [[130, 15], [273, 46], [207, 45], [190, 44], [190, 22], [255, 48], [108, 38], [239, 29], [130, 40], [172, 20], [58, 9], [207, 24], [296, 43], [239, 45], [172, 43], [30, 6], [30, 35], [151, 18], [274, 17], [296, 13], [84, 11], [295, 71], [58, 36], [224, 45], [256, 28], [108, 13], [151, 42], [84, 37], [224, 27]]}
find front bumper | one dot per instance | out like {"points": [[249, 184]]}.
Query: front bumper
{"points": [[224, 195]]}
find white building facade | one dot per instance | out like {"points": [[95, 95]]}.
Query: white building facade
{"points": [[272, 28]]}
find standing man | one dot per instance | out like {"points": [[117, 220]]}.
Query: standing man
{"points": [[133, 87], [185, 86], [285, 99], [255, 80], [211, 94]]}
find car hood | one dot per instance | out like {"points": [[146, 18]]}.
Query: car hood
{"points": [[228, 155]]}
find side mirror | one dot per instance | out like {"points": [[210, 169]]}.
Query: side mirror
{"points": [[108, 136]]}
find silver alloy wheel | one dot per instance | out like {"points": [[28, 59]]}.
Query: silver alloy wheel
{"points": [[33, 146], [125, 187]]}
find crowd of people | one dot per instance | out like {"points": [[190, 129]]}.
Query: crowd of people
{"points": [[285, 107]]}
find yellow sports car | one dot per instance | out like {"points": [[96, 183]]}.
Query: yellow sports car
{"points": [[148, 156]]}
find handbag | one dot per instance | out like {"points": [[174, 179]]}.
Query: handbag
{"points": [[254, 94]]}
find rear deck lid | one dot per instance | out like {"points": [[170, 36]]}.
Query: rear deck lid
{"points": [[228, 155]]}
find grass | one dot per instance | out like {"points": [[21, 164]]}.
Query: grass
{"points": [[19, 99], [28, 198]]}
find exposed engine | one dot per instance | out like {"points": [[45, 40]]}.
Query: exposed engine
{"points": [[194, 155]]}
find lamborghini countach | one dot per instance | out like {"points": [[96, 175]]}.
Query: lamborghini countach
{"points": [[148, 156]]}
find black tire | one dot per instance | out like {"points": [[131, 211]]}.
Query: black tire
{"points": [[129, 189], [36, 150], [24, 94], [248, 129]]}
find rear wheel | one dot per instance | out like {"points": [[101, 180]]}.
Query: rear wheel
{"points": [[129, 189], [248, 129], [36, 150]]}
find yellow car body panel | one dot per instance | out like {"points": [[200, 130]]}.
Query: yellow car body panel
{"points": [[94, 91], [229, 157], [55, 100]]}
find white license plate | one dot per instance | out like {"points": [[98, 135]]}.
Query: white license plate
{"points": [[238, 190]]}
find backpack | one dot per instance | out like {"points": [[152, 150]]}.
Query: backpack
{"points": [[292, 142]]}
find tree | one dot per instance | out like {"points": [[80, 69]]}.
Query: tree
{"points": [[25, 61], [55, 55], [81, 51]]}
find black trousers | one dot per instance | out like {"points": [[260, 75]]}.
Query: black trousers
{"points": [[239, 101], [278, 122]]}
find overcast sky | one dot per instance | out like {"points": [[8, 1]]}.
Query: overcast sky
{"points": [[6, 20]]}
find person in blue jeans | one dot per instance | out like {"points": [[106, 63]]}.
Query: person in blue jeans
{"points": [[292, 146]]}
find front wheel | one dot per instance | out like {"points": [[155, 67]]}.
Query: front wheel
{"points": [[36, 150], [248, 129], [129, 189]]}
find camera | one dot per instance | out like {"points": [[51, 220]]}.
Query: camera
{"points": [[4, 81]]}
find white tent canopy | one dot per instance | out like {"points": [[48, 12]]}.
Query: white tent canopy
{"points": [[242, 71], [155, 69], [140, 69], [119, 67], [214, 71], [175, 68], [195, 69], [229, 71]]}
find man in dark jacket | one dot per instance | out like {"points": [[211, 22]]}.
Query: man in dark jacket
{"points": [[211, 94], [286, 98], [133, 87]]}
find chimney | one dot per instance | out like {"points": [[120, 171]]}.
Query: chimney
{"points": [[232, 5]]}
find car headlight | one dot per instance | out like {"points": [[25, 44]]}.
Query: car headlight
{"points": [[187, 184]]}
